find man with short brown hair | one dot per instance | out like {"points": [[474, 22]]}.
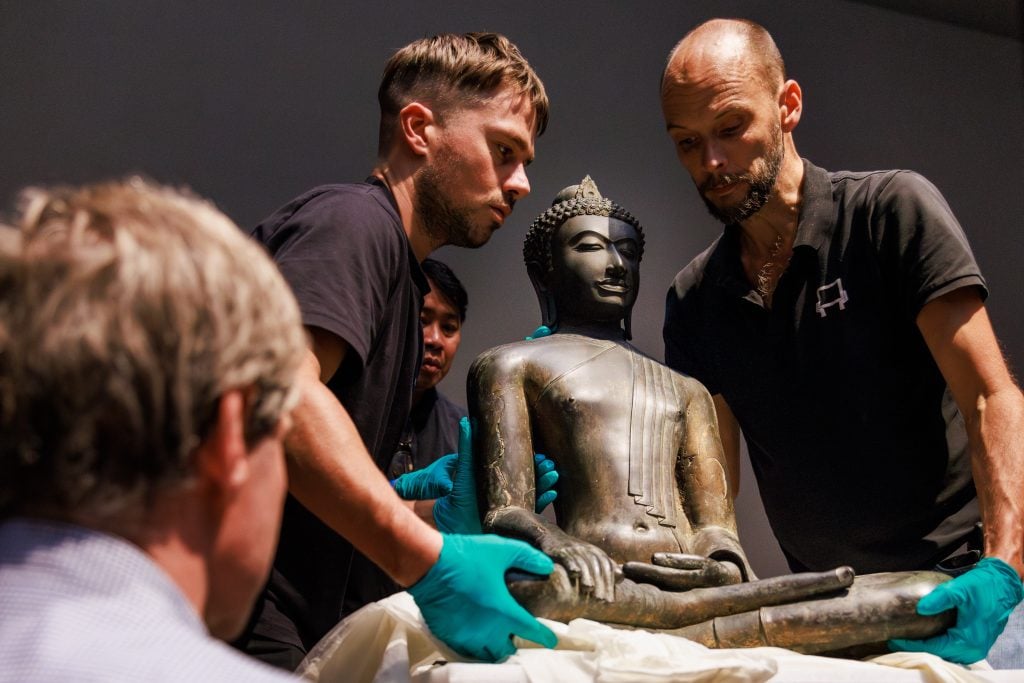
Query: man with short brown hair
{"points": [[459, 117]]}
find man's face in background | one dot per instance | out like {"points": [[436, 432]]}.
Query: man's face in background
{"points": [[442, 333]]}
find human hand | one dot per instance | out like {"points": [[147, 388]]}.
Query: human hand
{"points": [[464, 600], [433, 481], [681, 571], [547, 477], [586, 564], [983, 598], [457, 512], [542, 331]]}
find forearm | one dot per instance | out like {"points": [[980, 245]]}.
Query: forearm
{"points": [[518, 522], [729, 431], [722, 544], [705, 491], [996, 432], [704, 466], [331, 473], [424, 509], [960, 337]]}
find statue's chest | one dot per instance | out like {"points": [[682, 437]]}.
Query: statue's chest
{"points": [[618, 388]]}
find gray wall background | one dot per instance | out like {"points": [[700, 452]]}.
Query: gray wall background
{"points": [[252, 103]]}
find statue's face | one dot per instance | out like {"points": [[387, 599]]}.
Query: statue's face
{"points": [[596, 269]]}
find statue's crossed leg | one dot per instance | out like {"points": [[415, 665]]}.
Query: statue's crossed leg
{"points": [[823, 612]]}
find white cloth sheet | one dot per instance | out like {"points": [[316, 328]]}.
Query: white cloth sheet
{"points": [[387, 642]]}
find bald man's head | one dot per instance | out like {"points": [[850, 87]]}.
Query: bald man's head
{"points": [[722, 42], [730, 113]]}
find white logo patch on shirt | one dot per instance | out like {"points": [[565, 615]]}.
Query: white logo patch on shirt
{"points": [[830, 295]]}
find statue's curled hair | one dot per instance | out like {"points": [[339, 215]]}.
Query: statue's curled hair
{"points": [[575, 200]]}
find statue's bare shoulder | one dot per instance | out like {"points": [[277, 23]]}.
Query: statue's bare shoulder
{"points": [[533, 364]]}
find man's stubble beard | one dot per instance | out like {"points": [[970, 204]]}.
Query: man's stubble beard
{"points": [[761, 183], [443, 222]]}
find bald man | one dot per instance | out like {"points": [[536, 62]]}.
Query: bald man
{"points": [[839, 323]]}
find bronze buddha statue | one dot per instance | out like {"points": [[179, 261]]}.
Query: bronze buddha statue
{"points": [[646, 532]]}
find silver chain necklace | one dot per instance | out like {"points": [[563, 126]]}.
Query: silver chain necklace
{"points": [[765, 286]]}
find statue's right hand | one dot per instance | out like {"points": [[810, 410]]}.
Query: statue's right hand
{"points": [[464, 600], [681, 571], [589, 565]]}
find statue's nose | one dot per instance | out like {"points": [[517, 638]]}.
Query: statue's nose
{"points": [[615, 263]]}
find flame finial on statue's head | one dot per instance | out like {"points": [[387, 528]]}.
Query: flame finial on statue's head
{"points": [[587, 189], [576, 200], [583, 199]]}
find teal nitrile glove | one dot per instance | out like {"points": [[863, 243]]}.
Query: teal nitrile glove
{"points": [[547, 477], [542, 331], [545, 468], [433, 481], [464, 600], [983, 598], [457, 513]]}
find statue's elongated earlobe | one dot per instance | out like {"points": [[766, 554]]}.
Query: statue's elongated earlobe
{"points": [[548, 308]]}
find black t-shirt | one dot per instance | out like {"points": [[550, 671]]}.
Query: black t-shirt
{"points": [[432, 431], [344, 252], [858, 447]]}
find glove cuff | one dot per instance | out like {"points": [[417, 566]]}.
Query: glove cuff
{"points": [[1003, 569]]}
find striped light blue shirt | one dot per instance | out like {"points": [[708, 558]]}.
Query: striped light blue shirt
{"points": [[80, 605]]}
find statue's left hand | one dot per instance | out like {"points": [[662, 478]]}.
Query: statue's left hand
{"points": [[983, 598], [457, 512], [681, 571]]}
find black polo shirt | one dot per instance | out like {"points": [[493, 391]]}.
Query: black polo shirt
{"points": [[343, 250], [859, 450]]}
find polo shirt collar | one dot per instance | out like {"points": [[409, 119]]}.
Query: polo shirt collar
{"points": [[816, 212], [724, 267], [814, 230]]}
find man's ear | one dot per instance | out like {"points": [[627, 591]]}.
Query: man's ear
{"points": [[791, 102], [222, 460], [416, 121]]}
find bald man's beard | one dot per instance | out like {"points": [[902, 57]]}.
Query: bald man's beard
{"points": [[760, 183]]}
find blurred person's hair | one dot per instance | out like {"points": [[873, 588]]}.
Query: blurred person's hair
{"points": [[126, 311]]}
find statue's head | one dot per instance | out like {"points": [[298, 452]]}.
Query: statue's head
{"points": [[583, 257]]}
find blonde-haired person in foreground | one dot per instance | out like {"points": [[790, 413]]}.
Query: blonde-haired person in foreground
{"points": [[148, 356]]}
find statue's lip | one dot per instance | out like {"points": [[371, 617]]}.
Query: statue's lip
{"points": [[613, 286]]}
